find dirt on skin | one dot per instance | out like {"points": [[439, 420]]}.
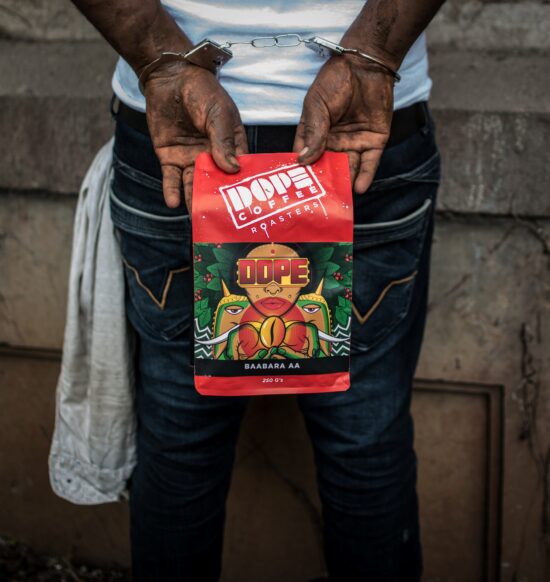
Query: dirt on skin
{"points": [[19, 563]]}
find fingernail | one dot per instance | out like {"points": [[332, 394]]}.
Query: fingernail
{"points": [[233, 160], [304, 152]]}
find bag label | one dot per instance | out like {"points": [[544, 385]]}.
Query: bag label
{"points": [[270, 194]]}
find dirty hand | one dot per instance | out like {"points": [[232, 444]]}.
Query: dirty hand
{"points": [[348, 108], [188, 112]]}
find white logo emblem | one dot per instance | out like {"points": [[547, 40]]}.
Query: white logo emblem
{"points": [[259, 197]]}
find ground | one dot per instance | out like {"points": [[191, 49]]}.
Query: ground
{"points": [[20, 563]]}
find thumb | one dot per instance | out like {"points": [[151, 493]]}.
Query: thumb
{"points": [[312, 131]]}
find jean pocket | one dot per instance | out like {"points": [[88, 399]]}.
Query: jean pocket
{"points": [[427, 172], [386, 257], [156, 252]]}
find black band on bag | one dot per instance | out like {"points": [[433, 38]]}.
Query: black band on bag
{"points": [[271, 367]]}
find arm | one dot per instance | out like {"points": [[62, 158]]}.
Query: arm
{"points": [[349, 106], [188, 111]]}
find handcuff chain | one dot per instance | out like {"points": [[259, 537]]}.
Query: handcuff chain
{"points": [[201, 54], [269, 41], [320, 45]]}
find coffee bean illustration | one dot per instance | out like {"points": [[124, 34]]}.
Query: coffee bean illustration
{"points": [[272, 331]]}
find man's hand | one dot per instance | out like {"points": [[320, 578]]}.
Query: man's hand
{"points": [[349, 105], [188, 112], [348, 108]]}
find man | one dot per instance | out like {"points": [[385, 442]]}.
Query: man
{"points": [[274, 99]]}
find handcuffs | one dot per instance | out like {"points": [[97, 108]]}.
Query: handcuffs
{"points": [[211, 55]]}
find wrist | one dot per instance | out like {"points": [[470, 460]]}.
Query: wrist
{"points": [[161, 35], [368, 65], [161, 68], [364, 43], [207, 55]]}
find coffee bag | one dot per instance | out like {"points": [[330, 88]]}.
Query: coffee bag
{"points": [[273, 265]]}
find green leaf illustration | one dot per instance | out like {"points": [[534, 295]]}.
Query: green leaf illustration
{"points": [[344, 304], [330, 283], [205, 317], [323, 255], [331, 268], [222, 255], [200, 283], [341, 316], [199, 268], [215, 284], [202, 304], [214, 269]]}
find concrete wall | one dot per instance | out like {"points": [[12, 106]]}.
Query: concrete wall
{"points": [[481, 401]]}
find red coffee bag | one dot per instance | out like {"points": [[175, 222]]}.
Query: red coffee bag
{"points": [[273, 266]]}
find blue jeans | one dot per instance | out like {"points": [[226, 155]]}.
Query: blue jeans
{"points": [[362, 438]]}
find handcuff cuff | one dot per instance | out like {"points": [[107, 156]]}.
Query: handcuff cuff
{"points": [[211, 55]]}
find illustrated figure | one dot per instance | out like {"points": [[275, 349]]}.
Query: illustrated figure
{"points": [[272, 321]]}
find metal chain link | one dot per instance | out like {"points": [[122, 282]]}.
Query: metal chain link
{"points": [[279, 41]]}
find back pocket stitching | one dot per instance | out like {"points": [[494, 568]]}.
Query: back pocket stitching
{"points": [[137, 175], [418, 174], [362, 319], [162, 303]]}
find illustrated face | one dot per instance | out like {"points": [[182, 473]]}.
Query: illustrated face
{"points": [[315, 311], [230, 313], [272, 277], [273, 299]]}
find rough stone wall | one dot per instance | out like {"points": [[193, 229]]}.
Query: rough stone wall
{"points": [[481, 402]]}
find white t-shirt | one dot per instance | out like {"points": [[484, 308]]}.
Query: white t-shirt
{"points": [[268, 85]]}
